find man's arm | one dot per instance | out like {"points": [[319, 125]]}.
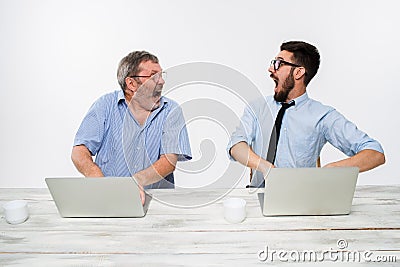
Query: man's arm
{"points": [[158, 170], [83, 161], [365, 160], [242, 153]]}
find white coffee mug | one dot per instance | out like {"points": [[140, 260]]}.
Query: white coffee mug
{"points": [[234, 210], [16, 211]]}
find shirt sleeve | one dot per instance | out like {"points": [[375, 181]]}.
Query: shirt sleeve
{"points": [[345, 136], [245, 132], [92, 128], [175, 139]]}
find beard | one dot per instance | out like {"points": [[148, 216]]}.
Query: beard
{"points": [[157, 90], [148, 96], [287, 87]]}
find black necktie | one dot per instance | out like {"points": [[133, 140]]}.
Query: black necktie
{"points": [[273, 141]]}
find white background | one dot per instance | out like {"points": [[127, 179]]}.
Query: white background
{"points": [[57, 57]]}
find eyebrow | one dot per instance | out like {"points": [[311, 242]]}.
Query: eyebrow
{"points": [[151, 71]]}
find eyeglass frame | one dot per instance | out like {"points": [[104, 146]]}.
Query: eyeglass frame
{"points": [[281, 61], [149, 76]]}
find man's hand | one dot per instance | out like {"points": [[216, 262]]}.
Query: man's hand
{"points": [[141, 190], [142, 194], [243, 153], [266, 170], [330, 165], [158, 170], [365, 160]]}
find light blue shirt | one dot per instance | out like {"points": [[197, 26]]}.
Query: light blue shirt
{"points": [[123, 147], [306, 128]]}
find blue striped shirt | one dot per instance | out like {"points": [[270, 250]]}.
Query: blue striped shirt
{"points": [[306, 128], [123, 147]]}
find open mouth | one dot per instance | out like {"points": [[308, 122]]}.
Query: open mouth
{"points": [[276, 80], [157, 94]]}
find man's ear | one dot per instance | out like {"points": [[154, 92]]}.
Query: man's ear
{"points": [[299, 73], [131, 84]]}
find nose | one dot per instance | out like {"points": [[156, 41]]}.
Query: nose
{"points": [[161, 80], [271, 68]]}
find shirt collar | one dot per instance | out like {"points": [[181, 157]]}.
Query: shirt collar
{"points": [[121, 97], [163, 102], [301, 100], [154, 113]]}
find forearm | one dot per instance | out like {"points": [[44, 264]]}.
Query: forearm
{"points": [[83, 162], [242, 153], [158, 170], [365, 160]]}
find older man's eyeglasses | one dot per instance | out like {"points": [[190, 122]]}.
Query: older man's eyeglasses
{"points": [[277, 63], [155, 77]]}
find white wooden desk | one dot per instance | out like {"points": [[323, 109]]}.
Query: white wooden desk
{"points": [[200, 236]]}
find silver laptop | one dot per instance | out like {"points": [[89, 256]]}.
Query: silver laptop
{"points": [[308, 191], [97, 197]]}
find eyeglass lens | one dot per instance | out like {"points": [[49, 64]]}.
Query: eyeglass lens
{"points": [[276, 63], [156, 77]]}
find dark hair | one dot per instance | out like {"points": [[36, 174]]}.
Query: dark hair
{"points": [[305, 55], [129, 65]]}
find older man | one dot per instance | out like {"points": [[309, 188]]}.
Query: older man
{"points": [[134, 131]]}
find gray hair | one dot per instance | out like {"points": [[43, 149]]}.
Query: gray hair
{"points": [[129, 65]]}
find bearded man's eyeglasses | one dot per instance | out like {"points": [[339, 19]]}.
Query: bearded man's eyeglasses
{"points": [[277, 63], [155, 76]]}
